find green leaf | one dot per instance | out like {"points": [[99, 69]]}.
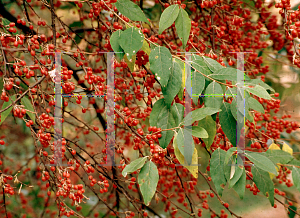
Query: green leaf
{"points": [[291, 213], [165, 118], [78, 37], [210, 125], [228, 123], [185, 144], [156, 111], [255, 105], [28, 106], [178, 111], [193, 168], [238, 107], [76, 24], [239, 186], [231, 164], [223, 86], [213, 95], [278, 156], [174, 83], [248, 115], [131, 10], [134, 166], [254, 82], [249, 2], [227, 73], [148, 179], [198, 114], [197, 131], [259, 92], [242, 100], [213, 65], [229, 153], [200, 65], [294, 162], [131, 40], [182, 67], [296, 177], [168, 17], [6, 113], [180, 93], [183, 26], [217, 170], [5, 23], [160, 60], [230, 92], [228, 166], [238, 171], [114, 42], [263, 182], [67, 6], [233, 108], [261, 162], [197, 85]]}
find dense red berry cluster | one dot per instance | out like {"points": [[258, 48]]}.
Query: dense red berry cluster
{"points": [[141, 58], [218, 28]]}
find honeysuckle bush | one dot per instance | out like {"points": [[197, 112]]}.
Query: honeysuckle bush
{"points": [[156, 173]]}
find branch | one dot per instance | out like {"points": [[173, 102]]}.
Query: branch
{"points": [[218, 196], [24, 93], [213, 29], [11, 18], [187, 196], [4, 203]]}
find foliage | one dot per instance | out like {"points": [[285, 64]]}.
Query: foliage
{"points": [[177, 98]]}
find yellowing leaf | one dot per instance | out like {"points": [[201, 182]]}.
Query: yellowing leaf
{"points": [[277, 169], [193, 168], [246, 129], [287, 148], [128, 26], [146, 48], [273, 146], [130, 62]]}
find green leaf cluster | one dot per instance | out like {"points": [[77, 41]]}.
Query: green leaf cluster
{"points": [[127, 42], [227, 167], [7, 112], [147, 178], [131, 10], [182, 22]]}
